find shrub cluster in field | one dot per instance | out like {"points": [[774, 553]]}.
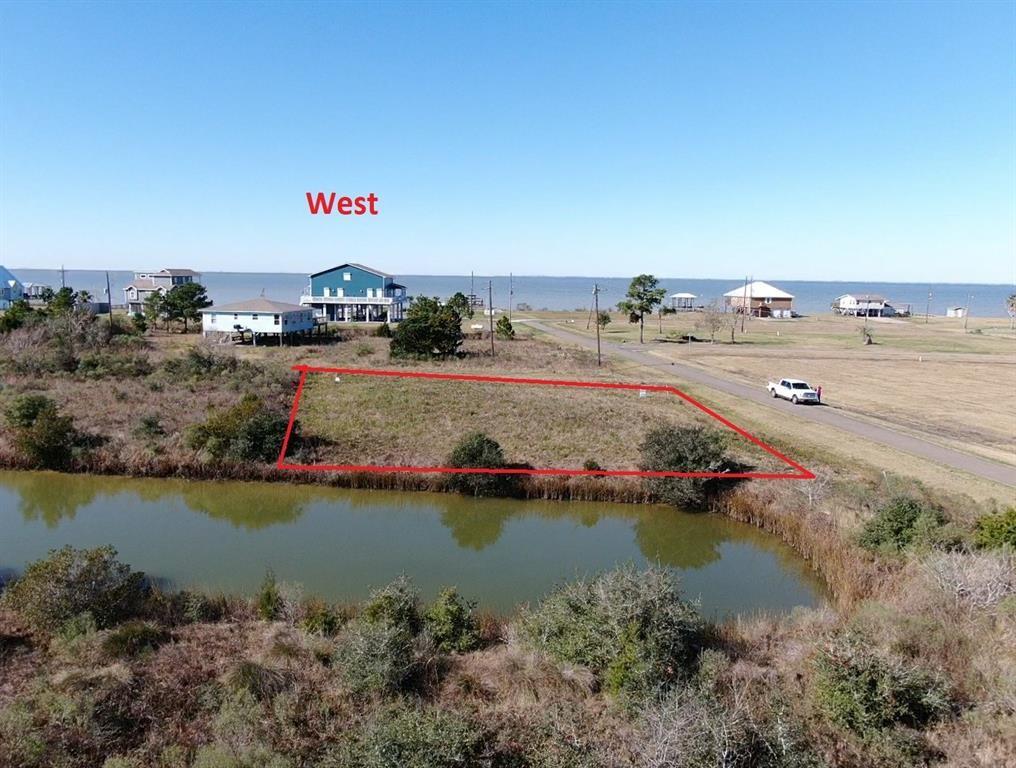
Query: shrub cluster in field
{"points": [[42, 434], [905, 522], [246, 432]]}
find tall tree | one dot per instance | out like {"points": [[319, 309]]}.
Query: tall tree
{"points": [[430, 329], [460, 303], [644, 296], [155, 309], [185, 302]]}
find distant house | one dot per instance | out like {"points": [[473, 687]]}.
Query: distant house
{"points": [[956, 312], [147, 283], [354, 292], [11, 288], [259, 317], [760, 298], [863, 305], [682, 301], [36, 290]]}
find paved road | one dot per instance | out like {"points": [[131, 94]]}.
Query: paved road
{"points": [[975, 465]]}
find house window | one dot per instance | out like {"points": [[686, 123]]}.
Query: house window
{"points": [[276, 319], [236, 316], [347, 276], [213, 319], [328, 291], [254, 317], [340, 292]]}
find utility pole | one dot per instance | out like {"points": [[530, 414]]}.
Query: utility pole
{"points": [[511, 295], [966, 312], [596, 305], [490, 310], [744, 303], [927, 309], [63, 277], [109, 298]]}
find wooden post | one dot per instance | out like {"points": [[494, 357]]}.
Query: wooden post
{"points": [[490, 310], [744, 303], [596, 305], [927, 309], [109, 298], [966, 312], [511, 295]]}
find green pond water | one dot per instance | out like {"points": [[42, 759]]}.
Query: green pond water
{"points": [[339, 544]]}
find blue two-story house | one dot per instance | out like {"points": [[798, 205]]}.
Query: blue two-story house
{"points": [[355, 293]]}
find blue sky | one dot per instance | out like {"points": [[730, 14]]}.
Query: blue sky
{"points": [[798, 140]]}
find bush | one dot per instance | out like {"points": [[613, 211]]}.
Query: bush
{"points": [[72, 581], [449, 620], [100, 364], [396, 604], [428, 330], [245, 432], [268, 601], [477, 450], [418, 737], [898, 524], [376, 657], [44, 436], [149, 428], [630, 627], [591, 465], [997, 530], [383, 331], [319, 618], [504, 329], [25, 409], [261, 682], [685, 449], [134, 638], [864, 691]]}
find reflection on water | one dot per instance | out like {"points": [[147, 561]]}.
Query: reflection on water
{"points": [[338, 543]]}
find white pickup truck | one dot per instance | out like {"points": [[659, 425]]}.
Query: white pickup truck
{"points": [[794, 390]]}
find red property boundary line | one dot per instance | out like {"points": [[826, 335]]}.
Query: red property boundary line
{"points": [[800, 472]]}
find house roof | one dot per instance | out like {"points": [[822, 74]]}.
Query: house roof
{"points": [[870, 298], [365, 268], [179, 272], [6, 276], [759, 290], [683, 296], [144, 284], [260, 304]]}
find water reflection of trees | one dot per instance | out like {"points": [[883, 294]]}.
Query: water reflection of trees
{"points": [[248, 505], [47, 497]]}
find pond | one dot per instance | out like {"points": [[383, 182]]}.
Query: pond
{"points": [[340, 543]]}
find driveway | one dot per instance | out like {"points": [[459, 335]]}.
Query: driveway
{"points": [[886, 436]]}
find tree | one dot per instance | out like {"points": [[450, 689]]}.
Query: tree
{"points": [[478, 451], [185, 302], [504, 329], [61, 302], [685, 449], [155, 309], [82, 298], [665, 310], [429, 329], [711, 320], [460, 303], [643, 297], [603, 320], [17, 313]]}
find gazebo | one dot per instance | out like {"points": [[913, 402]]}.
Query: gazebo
{"points": [[682, 301]]}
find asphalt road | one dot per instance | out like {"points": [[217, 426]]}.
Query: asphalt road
{"points": [[882, 435]]}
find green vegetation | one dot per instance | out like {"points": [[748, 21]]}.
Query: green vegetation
{"points": [[383, 331], [182, 303], [630, 627], [996, 530], [477, 450], [44, 436], [268, 601], [450, 623], [643, 297], [133, 638], [460, 303], [418, 737], [429, 329], [898, 524], [685, 449], [246, 432], [70, 582], [503, 329]]}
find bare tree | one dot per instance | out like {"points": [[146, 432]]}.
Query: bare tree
{"points": [[711, 320], [815, 490]]}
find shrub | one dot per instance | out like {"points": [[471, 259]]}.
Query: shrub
{"points": [[149, 428], [428, 330], [864, 690], [590, 465], [134, 638], [504, 329], [69, 582], [261, 682], [44, 436], [268, 601], [383, 331], [685, 449], [899, 523], [630, 627], [100, 364], [477, 450], [245, 432], [396, 604], [376, 657], [319, 618], [418, 737], [997, 530], [449, 620], [25, 409]]}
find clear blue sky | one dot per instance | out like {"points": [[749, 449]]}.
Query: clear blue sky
{"points": [[799, 140]]}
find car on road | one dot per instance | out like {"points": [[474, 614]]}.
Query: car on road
{"points": [[794, 390]]}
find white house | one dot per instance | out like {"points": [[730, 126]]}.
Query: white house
{"points": [[11, 288], [956, 312], [260, 317], [760, 298], [147, 283], [863, 304], [682, 301]]}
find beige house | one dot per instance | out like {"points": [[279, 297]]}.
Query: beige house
{"points": [[145, 284], [761, 299]]}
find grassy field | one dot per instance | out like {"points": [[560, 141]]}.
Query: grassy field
{"points": [[951, 386]]}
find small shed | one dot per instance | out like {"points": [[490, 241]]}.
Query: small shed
{"points": [[682, 301], [956, 312], [261, 317]]}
